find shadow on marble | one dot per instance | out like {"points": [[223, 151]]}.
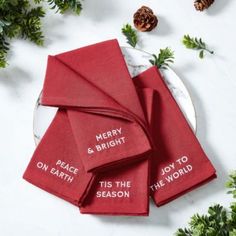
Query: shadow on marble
{"points": [[52, 26], [222, 175], [218, 6], [163, 27], [159, 216], [97, 11], [13, 78]]}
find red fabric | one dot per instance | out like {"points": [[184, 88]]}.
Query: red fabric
{"points": [[177, 149], [125, 190], [94, 85], [56, 165], [102, 129]]}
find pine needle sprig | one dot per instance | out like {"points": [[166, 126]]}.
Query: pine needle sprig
{"points": [[196, 44], [64, 5], [18, 19], [130, 34], [4, 48], [163, 59], [218, 222], [31, 26], [21, 18], [231, 184]]}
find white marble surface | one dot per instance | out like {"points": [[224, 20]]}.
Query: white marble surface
{"points": [[26, 210]]}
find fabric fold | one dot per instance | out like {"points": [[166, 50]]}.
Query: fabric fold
{"points": [[94, 85], [94, 76], [124, 190], [114, 141], [56, 165], [178, 164]]}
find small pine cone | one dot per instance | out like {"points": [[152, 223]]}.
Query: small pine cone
{"points": [[201, 5], [144, 19]]}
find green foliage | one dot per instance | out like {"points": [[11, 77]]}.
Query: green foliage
{"points": [[231, 184], [163, 59], [130, 34], [4, 47], [196, 44], [218, 222], [64, 5], [22, 18], [30, 26]]}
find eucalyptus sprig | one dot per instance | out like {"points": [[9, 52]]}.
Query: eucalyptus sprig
{"points": [[218, 222], [163, 59], [130, 34], [197, 44]]}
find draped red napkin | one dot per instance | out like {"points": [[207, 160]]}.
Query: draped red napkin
{"points": [[56, 166], [125, 190], [114, 141], [179, 163], [93, 83], [98, 127]]}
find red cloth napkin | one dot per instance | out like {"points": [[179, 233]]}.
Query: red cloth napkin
{"points": [[56, 165], [124, 190], [179, 163], [105, 114]]}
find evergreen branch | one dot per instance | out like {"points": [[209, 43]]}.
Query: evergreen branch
{"points": [[196, 44], [19, 18], [130, 34], [31, 25], [163, 59], [218, 222], [64, 5], [4, 48], [231, 184]]}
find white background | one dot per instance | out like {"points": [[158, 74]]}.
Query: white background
{"points": [[26, 210]]}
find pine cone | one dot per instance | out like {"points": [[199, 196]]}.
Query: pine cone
{"points": [[144, 19], [201, 5]]}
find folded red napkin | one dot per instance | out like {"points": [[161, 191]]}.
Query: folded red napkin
{"points": [[102, 126], [124, 190], [105, 114], [56, 165], [179, 163]]}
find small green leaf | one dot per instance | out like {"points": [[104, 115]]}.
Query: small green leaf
{"points": [[163, 59], [201, 54], [196, 44], [130, 34]]}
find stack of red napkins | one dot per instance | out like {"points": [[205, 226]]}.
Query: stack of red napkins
{"points": [[114, 141]]}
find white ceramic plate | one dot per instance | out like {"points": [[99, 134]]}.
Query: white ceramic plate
{"points": [[137, 62]]}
